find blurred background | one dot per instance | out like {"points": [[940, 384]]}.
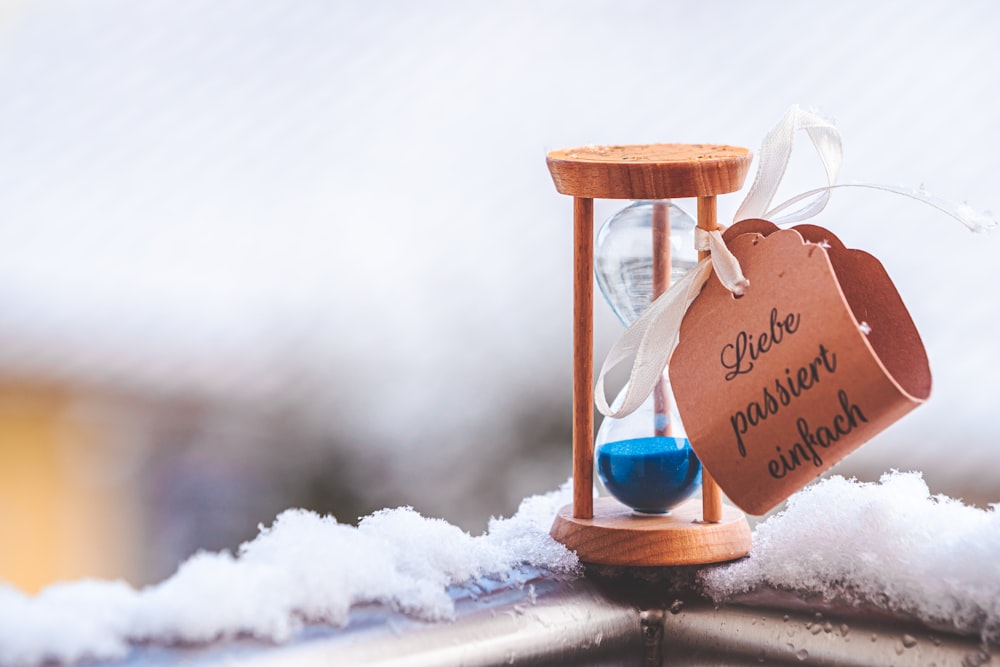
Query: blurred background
{"points": [[256, 254]]}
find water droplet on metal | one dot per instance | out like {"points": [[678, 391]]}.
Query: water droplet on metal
{"points": [[900, 648], [844, 629], [828, 627], [816, 629], [676, 606], [975, 659], [802, 655], [909, 641], [785, 618]]}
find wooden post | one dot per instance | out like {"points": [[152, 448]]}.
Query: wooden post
{"points": [[661, 283], [604, 530], [711, 495], [583, 357]]}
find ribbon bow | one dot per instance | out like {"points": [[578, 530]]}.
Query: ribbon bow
{"points": [[651, 339]]}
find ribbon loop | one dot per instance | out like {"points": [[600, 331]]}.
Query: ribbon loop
{"points": [[651, 339], [775, 153]]}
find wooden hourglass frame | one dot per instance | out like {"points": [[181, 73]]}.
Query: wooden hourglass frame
{"points": [[605, 531]]}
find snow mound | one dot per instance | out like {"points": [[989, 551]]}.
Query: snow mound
{"points": [[305, 567], [889, 544]]}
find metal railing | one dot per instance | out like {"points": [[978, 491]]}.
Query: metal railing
{"points": [[547, 619]]}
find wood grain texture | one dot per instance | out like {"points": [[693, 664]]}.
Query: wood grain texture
{"points": [[617, 536], [649, 171], [711, 494], [661, 283], [583, 357], [711, 497], [610, 533]]}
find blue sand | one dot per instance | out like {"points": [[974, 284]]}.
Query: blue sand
{"points": [[649, 474]]}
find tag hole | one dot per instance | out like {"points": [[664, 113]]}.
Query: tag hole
{"points": [[755, 240], [737, 296]]}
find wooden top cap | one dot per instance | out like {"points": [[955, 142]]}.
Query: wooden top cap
{"points": [[649, 171]]}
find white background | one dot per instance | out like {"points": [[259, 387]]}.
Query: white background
{"points": [[344, 207]]}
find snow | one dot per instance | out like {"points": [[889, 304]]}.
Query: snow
{"points": [[889, 544], [304, 567]]}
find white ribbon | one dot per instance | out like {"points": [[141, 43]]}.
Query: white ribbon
{"points": [[661, 322], [724, 263], [974, 220], [651, 339], [776, 151]]}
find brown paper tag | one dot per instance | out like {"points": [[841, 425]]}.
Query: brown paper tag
{"points": [[778, 385]]}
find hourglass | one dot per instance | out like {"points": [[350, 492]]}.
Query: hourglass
{"points": [[644, 460]]}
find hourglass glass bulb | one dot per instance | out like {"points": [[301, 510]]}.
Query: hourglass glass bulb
{"points": [[623, 256], [645, 459]]}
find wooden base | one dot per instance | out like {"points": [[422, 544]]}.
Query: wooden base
{"points": [[618, 536]]}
